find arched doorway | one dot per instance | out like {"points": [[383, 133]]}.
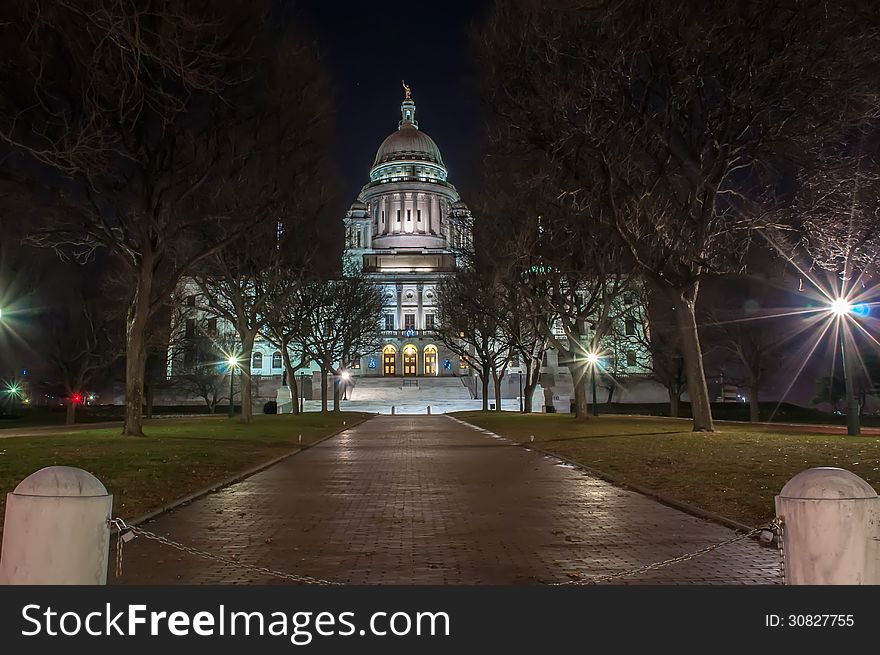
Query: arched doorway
{"points": [[389, 360], [430, 360], [410, 360]]}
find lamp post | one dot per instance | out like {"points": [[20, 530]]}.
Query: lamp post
{"points": [[344, 376], [521, 399], [843, 309], [593, 360], [233, 364]]}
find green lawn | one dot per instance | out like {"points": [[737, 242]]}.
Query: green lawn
{"points": [[178, 457], [735, 472]]}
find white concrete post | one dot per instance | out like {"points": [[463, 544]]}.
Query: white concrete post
{"points": [[830, 528], [56, 529]]}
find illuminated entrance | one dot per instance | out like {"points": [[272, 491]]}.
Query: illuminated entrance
{"points": [[389, 360], [430, 360], [410, 360]]}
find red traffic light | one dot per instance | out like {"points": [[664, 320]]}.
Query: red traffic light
{"points": [[77, 398]]}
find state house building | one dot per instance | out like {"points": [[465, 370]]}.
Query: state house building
{"points": [[403, 232]]}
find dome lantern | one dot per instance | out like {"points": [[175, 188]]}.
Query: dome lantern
{"points": [[407, 109]]}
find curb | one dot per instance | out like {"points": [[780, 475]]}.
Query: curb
{"points": [[687, 508], [237, 477]]}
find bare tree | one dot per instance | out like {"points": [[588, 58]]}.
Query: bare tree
{"points": [[342, 322], [201, 351], [471, 318], [836, 211], [670, 121], [154, 123], [286, 315], [79, 341], [659, 343], [238, 283]]}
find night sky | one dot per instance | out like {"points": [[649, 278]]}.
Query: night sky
{"points": [[369, 47]]}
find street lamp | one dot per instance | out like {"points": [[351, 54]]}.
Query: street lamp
{"points": [[842, 310], [232, 362], [521, 399], [593, 361], [302, 392], [345, 375]]}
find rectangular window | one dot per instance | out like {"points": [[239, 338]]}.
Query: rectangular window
{"points": [[630, 327], [383, 217], [191, 301], [409, 321], [630, 357], [355, 362], [462, 363], [408, 215], [419, 215], [389, 322], [358, 238], [398, 216], [190, 328], [212, 326], [429, 321]]}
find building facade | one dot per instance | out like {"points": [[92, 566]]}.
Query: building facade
{"points": [[403, 232]]}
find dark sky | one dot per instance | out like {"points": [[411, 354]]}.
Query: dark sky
{"points": [[369, 47]]}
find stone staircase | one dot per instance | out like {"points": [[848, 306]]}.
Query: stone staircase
{"points": [[407, 390]]}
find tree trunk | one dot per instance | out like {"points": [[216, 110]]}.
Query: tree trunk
{"points": [[336, 392], [528, 393], [754, 408], [70, 419], [323, 390], [674, 401], [579, 381], [497, 384], [484, 381], [291, 379], [611, 392], [581, 406], [135, 353], [244, 378], [701, 410]]}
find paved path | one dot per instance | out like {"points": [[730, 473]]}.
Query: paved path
{"points": [[428, 500]]}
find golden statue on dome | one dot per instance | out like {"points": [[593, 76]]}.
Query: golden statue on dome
{"points": [[406, 90]]}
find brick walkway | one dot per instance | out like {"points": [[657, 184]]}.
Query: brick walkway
{"points": [[427, 500]]}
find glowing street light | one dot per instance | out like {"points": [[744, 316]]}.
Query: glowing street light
{"points": [[344, 375], [840, 307], [843, 310], [593, 361], [233, 363]]}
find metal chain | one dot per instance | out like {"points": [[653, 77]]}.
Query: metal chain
{"points": [[140, 532], [776, 527], [772, 526], [779, 529]]}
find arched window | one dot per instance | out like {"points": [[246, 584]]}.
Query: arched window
{"points": [[276, 360], [257, 361]]}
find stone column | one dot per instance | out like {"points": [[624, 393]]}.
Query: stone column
{"points": [[420, 321], [429, 201], [399, 291], [438, 220]]}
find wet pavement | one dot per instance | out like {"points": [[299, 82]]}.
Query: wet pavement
{"points": [[430, 500]]}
